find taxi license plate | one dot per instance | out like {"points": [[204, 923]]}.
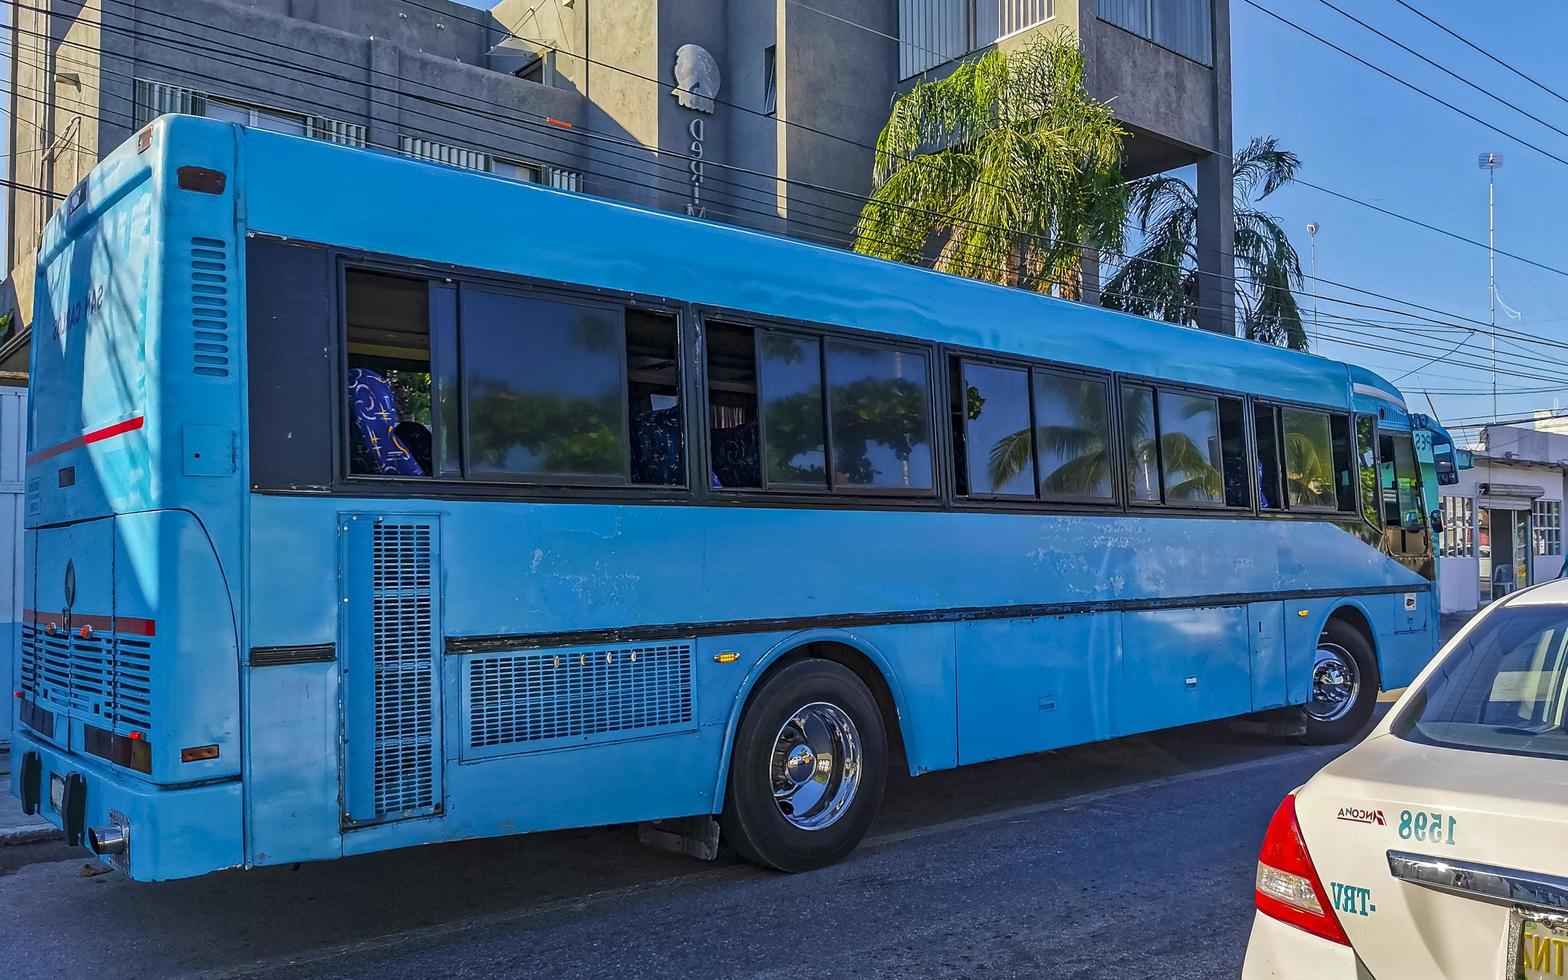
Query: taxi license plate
{"points": [[1540, 947], [56, 791]]}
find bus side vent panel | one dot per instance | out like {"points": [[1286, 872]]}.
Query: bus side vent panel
{"points": [[401, 675], [101, 678], [132, 699], [211, 274], [534, 701]]}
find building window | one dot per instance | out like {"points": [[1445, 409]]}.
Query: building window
{"points": [[153, 99], [932, 32], [1458, 515], [1183, 26], [448, 153], [531, 173], [254, 116], [770, 79], [1548, 516]]}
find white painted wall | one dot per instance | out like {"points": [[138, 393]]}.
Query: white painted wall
{"points": [[1458, 579]]}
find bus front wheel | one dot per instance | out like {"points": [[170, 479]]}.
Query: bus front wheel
{"points": [[808, 769], [1344, 686]]}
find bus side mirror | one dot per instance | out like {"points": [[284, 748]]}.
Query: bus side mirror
{"points": [[1435, 519]]}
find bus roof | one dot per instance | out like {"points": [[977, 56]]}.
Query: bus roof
{"points": [[388, 204]]}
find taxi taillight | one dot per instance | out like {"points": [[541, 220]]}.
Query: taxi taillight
{"points": [[1288, 887]]}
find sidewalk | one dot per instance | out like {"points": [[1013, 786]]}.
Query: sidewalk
{"points": [[17, 827]]}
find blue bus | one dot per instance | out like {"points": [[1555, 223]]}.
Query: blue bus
{"points": [[374, 503]]}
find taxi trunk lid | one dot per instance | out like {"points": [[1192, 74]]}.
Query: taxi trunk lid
{"points": [[1436, 807]]}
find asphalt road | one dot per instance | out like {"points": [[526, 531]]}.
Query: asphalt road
{"points": [[1128, 859]]}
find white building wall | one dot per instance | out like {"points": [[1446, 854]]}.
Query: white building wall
{"points": [[13, 451], [1459, 579]]}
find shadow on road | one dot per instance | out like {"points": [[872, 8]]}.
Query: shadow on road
{"points": [[229, 920]]}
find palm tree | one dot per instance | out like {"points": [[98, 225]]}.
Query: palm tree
{"points": [[1161, 278], [1000, 169]]}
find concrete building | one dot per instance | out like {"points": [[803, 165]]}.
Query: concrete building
{"points": [[1503, 520], [583, 94], [759, 112]]}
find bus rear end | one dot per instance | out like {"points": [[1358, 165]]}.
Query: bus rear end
{"points": [[128, 701]]}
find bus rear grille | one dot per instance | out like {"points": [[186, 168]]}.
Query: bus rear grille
{"points": [[99, 678], [403, 653], [532, 700], [132, 702], [210, 295]]}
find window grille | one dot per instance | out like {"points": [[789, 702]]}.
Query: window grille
{"points": [[153, 99], [1548, 534], [931, 32]]}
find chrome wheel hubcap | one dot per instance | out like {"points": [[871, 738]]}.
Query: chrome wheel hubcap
{"points": [[1336, 681], [816, 765]]}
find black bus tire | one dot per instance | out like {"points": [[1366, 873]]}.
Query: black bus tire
{"points": [[1340, 646], [794, 725]]}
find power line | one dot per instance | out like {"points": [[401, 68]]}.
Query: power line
{"points": [[773, 215], [1482, 51], [574, 132], [1443, 68], [1410, 85]]}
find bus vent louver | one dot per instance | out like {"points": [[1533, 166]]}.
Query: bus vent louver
{"points": [[403, 655], [210, 295], [102, 679], [538, 700], [132, 701], [27, 666]]}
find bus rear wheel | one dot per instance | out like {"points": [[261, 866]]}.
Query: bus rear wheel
{"points": [[1344, 686], [808, 769]]}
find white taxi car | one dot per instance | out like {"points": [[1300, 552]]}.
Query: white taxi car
{"points": [[1438, 847]]}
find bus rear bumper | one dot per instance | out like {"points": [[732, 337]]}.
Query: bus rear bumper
{"points": [[148, 832]]}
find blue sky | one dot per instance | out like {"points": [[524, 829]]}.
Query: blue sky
{"points": [[1365, 135], [1370, 138]]}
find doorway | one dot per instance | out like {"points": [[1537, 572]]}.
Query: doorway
{"points": [[1503, 550]]}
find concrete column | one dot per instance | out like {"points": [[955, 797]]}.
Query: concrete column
{"points": [[382, 107], [1089, 266], [1216, 245], [1216, 201]]}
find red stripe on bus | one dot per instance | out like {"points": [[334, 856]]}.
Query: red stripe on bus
{"points": [[87, 439], [133, 625]]}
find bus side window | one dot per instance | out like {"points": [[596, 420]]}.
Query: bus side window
{"points": [[1368, 469], [390, 420], [1344, 465], [1233, 449], [1266, 427], [545, 383], [794, 449], [879, 414], [734, 442], [1401, 482], [653, 399], [993, 441]]}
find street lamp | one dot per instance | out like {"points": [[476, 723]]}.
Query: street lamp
{"points": [[1490, 162], [1317, 331]]}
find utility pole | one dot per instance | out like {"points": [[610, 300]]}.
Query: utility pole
{"points": [[1490, 162], [1317, 330]]}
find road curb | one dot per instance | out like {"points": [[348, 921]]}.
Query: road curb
{"points": [[31, 834]]}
